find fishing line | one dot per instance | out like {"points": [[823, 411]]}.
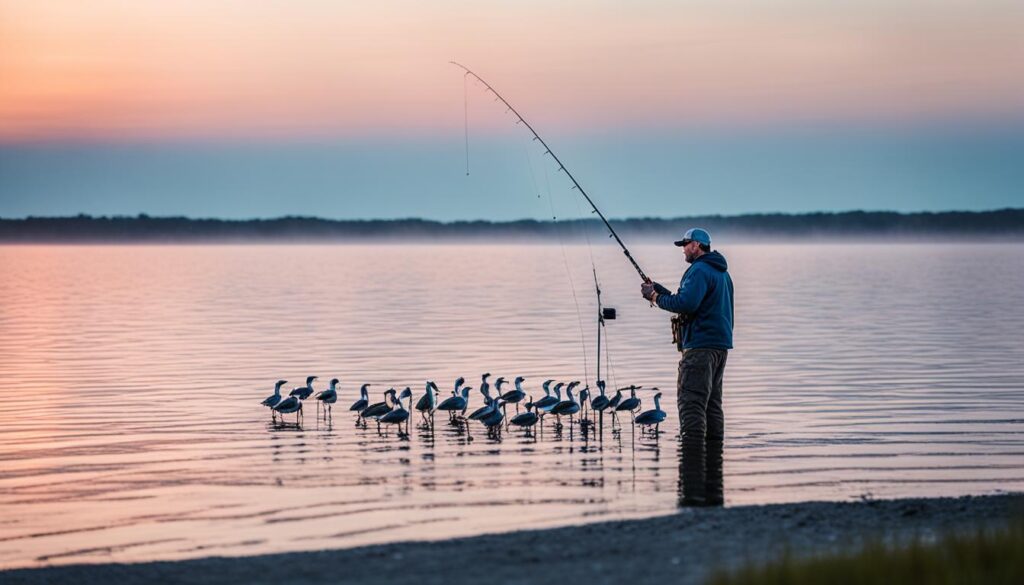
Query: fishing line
{"points": [[561, 168], [465, 115], [583, 227], [533, 176], [568, 274], [581, 219], [580, 224], [561, 243]]}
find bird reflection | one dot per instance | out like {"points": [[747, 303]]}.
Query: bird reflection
{"points": [[426, 432]]}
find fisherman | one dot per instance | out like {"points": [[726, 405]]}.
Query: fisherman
{"points": [[702, 332]]}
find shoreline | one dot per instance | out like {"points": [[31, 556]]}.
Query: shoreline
{"points": [[686, 547]]}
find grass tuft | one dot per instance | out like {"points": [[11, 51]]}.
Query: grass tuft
{"points": [[985, 557]]}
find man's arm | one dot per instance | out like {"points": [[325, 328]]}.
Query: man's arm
{"points": [[691, 292]]}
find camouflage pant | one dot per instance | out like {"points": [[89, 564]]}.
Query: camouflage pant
{"points": [[699, 396]]}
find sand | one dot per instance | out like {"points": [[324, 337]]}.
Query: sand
{"points": [[685, 547]]}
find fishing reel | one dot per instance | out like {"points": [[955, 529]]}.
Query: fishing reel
{"points": [[607, 313], [679, 322]]}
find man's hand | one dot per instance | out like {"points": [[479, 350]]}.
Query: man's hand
{"points": [[648, 289]]}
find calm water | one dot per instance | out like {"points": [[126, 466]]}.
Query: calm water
{"points": [[131, 378]]}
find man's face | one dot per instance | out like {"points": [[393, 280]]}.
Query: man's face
{"points": [[691, 251]]}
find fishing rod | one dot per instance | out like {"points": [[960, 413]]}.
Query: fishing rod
{"points": [[561, 167]]}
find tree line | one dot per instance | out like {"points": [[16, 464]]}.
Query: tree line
{"points": [[997, 224]]}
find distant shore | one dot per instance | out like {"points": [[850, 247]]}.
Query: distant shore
{"points": [[684, 547], [998, 225]]}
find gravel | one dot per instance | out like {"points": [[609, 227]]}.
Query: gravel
{"points": [[684, 547]]}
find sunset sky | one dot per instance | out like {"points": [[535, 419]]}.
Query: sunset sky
{"points": [[346, 109]]}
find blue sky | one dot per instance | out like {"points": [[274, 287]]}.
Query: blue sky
{"points": [[629, 175]]}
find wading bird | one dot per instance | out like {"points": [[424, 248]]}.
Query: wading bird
{"points": [[486, 391], [428, 402], [652, 417], [600, 402], [364, 400], [526, 419], [614, 402], [327, 397], [492, 420], [584, 398], [456, 403], [304, 392], [548, 402], [630, 404], [272, 400], [567, 407], [517, 395], [398, 415], [571, 386], [379, 409], [288, 406]]}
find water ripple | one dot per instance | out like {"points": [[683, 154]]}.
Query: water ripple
{"points": [[132, 377]]}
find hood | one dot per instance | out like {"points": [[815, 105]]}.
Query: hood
{"points": [[715, 259]]}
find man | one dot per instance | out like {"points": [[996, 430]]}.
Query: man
{"points": [[702, 329]]}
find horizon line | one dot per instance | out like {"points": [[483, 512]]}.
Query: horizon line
{"points": [[143, 215]]}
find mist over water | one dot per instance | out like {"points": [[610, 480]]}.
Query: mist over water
{"points": [[131, 379]]}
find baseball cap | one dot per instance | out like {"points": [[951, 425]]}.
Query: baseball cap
{"points": [[700, 235]]}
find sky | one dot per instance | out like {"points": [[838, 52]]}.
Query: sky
{"points": [[263, 108]]}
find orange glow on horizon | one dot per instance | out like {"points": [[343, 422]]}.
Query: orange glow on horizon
{"points": [[230, 68]]}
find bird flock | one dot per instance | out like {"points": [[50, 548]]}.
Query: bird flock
{"points": [[395, 409]]}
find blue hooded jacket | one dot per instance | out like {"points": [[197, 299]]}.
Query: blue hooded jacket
{"points": [[705, 297]]}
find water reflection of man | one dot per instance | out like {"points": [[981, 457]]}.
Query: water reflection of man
{"points": [[702, 328]]}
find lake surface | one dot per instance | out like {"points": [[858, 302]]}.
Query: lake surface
{"points": [[131, 376]]}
